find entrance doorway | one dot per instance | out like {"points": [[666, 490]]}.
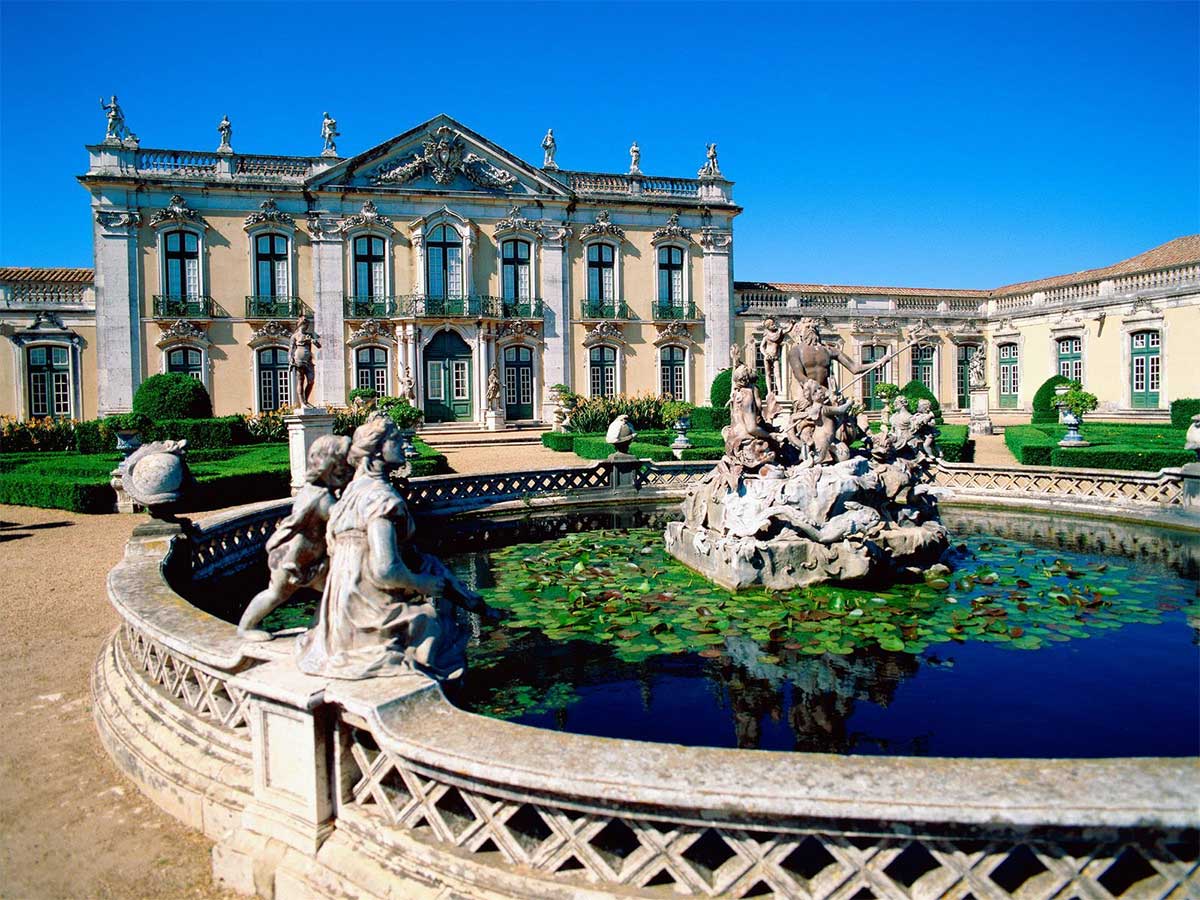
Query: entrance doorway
{"points": [[518, 383], [966, 352], [447, 379]]}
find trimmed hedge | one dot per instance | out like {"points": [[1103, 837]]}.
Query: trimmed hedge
{"points": [[1044, 410], [710, 418], [956, 444], [591, 446], [1124, 458], [172, 395], [1029, 444], [562, 441], [1182, 411], [1133, 447]]}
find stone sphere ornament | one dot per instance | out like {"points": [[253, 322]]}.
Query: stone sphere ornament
{"points": [[157, 476]]}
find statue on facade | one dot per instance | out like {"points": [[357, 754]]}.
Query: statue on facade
{"points": [[710, 169], [976, 369], [769, 348], [387, 608], [550, 147], [302, 362], [296, 552], [408, 388], [493, 388], [635, 159], [225, 129], [329, 134], [116, 131]]}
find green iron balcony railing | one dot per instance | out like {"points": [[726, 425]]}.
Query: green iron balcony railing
{"points": [[685, 312], [604, 309], [267, 307], [369, 307], [195, 306], [451, 307], [522, 309]]}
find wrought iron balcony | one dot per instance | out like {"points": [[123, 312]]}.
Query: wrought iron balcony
{"points": [[267, 307], [368, 307], [685, 312], [522, 309], [191, 307], [420, 305], [604, 309]]}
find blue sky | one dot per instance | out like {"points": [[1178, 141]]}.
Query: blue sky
{"points": [[938, 145]]}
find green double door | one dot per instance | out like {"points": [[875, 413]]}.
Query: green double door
{"points": [[518, 383], [447, 379]]}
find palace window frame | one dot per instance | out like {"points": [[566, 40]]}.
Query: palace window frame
{"points": [[917, 360], [515, 264], [678, 293], [615, 265], [166, 254], [280, 379], [866, 349], [378, 374], [1008, 374], [49, 367], [187, 367], [680, 368], [376, 267], [597, 368], [1069, 357]]}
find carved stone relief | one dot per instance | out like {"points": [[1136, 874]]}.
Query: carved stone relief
{"points": [[369, 216], [604, 332], [176, 210], [603, 227], [269, 213], [443, 156], [672, 231]]}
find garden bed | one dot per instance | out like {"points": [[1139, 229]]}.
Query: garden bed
{"points": [[1124, 447]]}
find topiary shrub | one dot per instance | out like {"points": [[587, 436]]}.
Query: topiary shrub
{"points": [[722, 386], [173, 395], [1044, 410], [914, 391], [1182, 411]]}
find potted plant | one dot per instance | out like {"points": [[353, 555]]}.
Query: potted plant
{"points": [[128, 428], [405, 415], [678, 415], [886, 392], [1075, 403]]}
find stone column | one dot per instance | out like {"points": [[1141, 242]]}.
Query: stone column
{"points": [[329, 323], [304, 427], [718, 302], [118, 309], [556, 297]]}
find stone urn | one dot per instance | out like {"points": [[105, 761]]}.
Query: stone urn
{"points": [[128, 440], [681, 426], [1072, 438]]}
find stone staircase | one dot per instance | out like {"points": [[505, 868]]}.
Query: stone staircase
{"points": [[463, 435]]}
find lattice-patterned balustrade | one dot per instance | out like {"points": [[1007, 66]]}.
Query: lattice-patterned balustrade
{"points": [[203, 690], [1161, 489], [431, 493], [655, 856], [228, 546]]}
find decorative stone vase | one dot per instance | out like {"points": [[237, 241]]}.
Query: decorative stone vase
{"points": [[681, 426], [1072, 438], [410, 449], [1060, 391], [128, 440]]}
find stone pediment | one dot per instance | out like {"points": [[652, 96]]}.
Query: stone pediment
{"points": [[440, 155]]}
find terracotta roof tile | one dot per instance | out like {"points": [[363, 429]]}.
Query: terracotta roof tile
{"points": [[46, 274]]}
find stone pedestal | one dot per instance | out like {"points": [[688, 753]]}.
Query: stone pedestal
{"points": [[1191, 487], [494, 420], [981, 422], [304, 426]]}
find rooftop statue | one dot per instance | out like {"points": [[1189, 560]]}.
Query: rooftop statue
{"points": [[329, 134], [225, 129], [116, 132], [549, 147], [635, 159], [710, 168], [301, 361]]}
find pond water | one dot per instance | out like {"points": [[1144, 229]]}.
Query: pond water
{"points": [[1042, 642]]}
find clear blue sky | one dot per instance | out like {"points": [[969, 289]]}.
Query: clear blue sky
{"points": [[939, 145]]}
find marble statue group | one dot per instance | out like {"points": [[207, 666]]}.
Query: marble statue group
{"points": [[811, 494]]}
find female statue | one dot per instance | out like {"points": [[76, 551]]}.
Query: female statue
{"points": [[387, 608], [301, 360], [296, 553]]}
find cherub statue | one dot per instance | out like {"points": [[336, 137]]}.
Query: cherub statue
{"points": [[769, 346], [924, 427], [329, 134], [296, 553], [550, 147], [822, 419], [746, 419], [900, 423], [387, 608], [301, 360], [493, 388], [225, 129]]}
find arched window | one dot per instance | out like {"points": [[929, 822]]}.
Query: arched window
{"points": [[1010, 374], [274, 386], [670, 280], [601, 274], [181, 254], [922, 365], [603, 371], [49, 371], [444, 264], [1070, 358], [371, 369], [187, 360], [516, 283], [370, 282], [872, 353], [271, 265], [672, 372], [1145, 368]]}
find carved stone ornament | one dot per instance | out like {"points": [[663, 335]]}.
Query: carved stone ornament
{"points": [[519, 329], [269, 213], [176, 210], [321, 226], [46, 326], [370, 217], [371, 331], [672, 333], [181, 331], [1142, 304], [672, 231], [602, 332], [275, 331], [118, 218], [711, 239], [443, 156], [1005, 327], [603, 227], [514, 221]]}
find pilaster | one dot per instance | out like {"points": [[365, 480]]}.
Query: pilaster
{"points": [[329, 322], [717, 247], [556, 297], [118, 309]]}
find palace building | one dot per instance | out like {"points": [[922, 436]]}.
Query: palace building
{"points": [[437, 256]]}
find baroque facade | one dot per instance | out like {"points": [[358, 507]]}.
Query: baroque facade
{"points": [[437, 256]]}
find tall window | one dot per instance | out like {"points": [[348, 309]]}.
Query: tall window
{"points": [[183, 264], [515, 281], [1010, 374], [672, 371], [922, 365], [1145, 360], [371, 369], [1070, 358], [966, 353], [49, 381], [444, 263], [603, 371], [872, 353], [274, 388], [270, 266], [369, 279], [187, 360], [670, 277], [602, 285]]}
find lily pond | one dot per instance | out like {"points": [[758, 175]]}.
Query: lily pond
{"points": [[1042, 642]]}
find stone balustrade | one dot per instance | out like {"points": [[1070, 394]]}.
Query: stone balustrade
{"points": [[48, 295]]}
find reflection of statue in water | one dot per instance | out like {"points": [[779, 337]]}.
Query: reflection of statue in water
{"points": [[296, 553], [301, 361], [387, 608], [769, 347]]}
